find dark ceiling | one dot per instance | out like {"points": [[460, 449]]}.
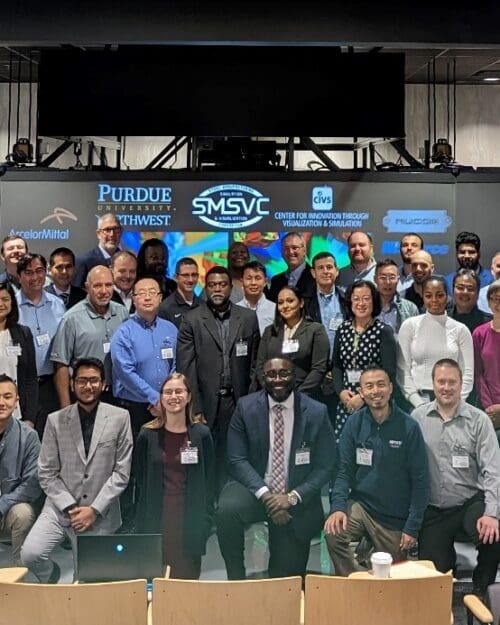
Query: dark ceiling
{"points": [[472, 65]]}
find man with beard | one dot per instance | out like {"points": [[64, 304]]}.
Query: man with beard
{"points": [[281, 451], [422, 268], [468, 249], [109, 232], [381, 488], [83, 467], [152, 262], [216, 351], [409, 244], [362, 267]]}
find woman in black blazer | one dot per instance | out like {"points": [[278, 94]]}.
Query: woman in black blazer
{"points": [[304, 342], [17, 354], [174, 467]]}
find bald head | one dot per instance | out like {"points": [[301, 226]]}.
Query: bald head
{"points": [[422, 266], [99, 287]]}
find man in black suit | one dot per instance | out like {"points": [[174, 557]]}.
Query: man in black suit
{"points": [[216, 350], [109, 232], [298, 274], [62, 271], [281, 451]]}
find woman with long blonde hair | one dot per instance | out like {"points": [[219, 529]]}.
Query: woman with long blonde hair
{"points": [[175, 471]]}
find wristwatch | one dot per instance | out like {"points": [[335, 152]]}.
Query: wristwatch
{"points": [[293, 499]]}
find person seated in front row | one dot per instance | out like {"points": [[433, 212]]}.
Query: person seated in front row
{"points": [[381, 488]]}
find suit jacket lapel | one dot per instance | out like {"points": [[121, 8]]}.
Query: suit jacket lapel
{"points": [[262, 413], [99, 425], [211, 326], [73, 419], [299, 422]]}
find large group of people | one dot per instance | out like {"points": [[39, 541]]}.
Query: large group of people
{"points": [[126, 399]]}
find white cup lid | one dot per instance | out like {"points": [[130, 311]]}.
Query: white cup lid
{"points": [[380, 557]]}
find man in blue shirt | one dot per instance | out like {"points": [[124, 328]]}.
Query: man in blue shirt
{"points": [[143, 354], [381, 488], [42, 313]]}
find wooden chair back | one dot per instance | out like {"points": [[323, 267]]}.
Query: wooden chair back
{"points": [[355, 601], [112, 603], [249, 602]]}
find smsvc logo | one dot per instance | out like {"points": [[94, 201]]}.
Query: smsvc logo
{"points": [[322, 198], [230, 206]]}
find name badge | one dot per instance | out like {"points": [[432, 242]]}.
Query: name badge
{"points": [[106, 347], [303, 456], [353, 376], [42, 339], [364, 456], [290, 347], [167, 352], [189, 455], [335, 323], [241, 348], [460, 461], [13, 350]]}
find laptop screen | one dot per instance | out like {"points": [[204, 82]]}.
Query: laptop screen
{"points": [[116, 557]]}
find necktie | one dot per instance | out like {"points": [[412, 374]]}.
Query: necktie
{"points": [[64, 297], [278, 484]]}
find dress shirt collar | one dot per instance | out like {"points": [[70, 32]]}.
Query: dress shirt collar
{"points": [[461, 411], [326, 295], [288, 403], [142, 322]]}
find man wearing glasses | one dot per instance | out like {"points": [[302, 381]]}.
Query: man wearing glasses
{"points": [[86, 331], [109, 232], [281, 451], [143, 355], [395, 309], [83, 467], [183, 299]]}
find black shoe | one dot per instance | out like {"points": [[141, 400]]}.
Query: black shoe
{"points": [[55, 576]]}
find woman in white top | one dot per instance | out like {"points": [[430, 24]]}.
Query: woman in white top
{"points": [[425, 339]]}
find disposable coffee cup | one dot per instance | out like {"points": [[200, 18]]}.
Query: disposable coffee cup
{"points": [[381, 564]]}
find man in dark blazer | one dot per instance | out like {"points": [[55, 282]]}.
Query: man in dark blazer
{"points": [[109, 232], [298, 274], [216, 351], [62, 272], [281, 451]]}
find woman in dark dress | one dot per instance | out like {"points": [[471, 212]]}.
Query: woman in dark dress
{"points": [[175, 468], [360, 341], [303, 341], [17, 354]]}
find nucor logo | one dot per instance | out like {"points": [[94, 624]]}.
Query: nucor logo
{"points": [[230, 206]]}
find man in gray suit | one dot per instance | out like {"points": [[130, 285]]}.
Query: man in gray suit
{"points": [[83, 467]]}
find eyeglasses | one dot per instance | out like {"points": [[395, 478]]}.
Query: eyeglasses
{"points": [[194, 276], [283, 374], [111, 230], [364, 298], [176, 391], [147, 293], [84, 381], [388, 278]]}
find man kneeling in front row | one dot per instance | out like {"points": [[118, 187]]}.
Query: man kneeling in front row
{"points": [[281, 451], [84, 466], [381, 488]]}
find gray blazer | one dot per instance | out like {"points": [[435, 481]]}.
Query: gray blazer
{"points": [[69, 477]]}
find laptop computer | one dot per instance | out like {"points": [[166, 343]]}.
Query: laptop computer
{"points": [[115, 557]]}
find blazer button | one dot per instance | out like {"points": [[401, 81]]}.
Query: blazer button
{"points": [[84, 497], [86, 476]]}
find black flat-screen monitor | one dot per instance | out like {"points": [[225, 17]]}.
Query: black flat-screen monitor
{"points": [[221, 91]]}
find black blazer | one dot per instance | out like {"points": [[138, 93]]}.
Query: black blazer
{"points": [[85, 262], [27, 381], [248, 452], [312, 309], [199, 356], [76, 294], [200, 487], [311, 359], [306, 284]]}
